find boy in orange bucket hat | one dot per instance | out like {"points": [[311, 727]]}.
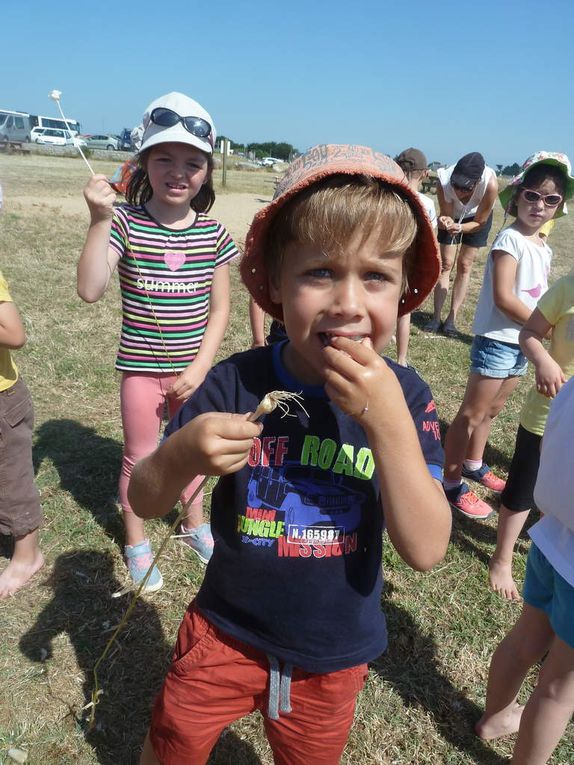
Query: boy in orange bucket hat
{"points": [[289, 611]]}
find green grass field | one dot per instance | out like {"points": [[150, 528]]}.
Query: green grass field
{"points": [[421, 699]]}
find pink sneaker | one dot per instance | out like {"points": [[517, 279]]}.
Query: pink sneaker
{"points": [[486, 477], [465, 501]]}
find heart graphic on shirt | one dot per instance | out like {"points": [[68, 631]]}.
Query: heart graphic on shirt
{"points": [[174, 260]]}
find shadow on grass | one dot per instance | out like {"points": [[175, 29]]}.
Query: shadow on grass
{"points": [[88, 465], [82, 608], [469, 535], [410, 666], [420, 319]]}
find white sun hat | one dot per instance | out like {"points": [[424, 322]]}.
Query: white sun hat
{"points": [[176, 118]]}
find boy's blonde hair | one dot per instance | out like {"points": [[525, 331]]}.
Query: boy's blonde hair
{"points": [[326, 197], [330, 212]]}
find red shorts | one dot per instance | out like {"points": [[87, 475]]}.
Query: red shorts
{"points": [[215, 679]]}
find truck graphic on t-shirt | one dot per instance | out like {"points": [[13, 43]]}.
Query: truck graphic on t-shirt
{"points": [[317, 505]]}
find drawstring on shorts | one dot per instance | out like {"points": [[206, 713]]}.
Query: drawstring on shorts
{"points": [[279, 688]]}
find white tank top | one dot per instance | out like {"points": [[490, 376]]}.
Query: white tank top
{"points": [[459, 210]]}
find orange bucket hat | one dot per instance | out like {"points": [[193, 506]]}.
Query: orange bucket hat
{"points": [[318, 163]]}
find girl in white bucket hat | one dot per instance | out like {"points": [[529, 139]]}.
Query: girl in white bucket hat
{"points": [[173, 264]]}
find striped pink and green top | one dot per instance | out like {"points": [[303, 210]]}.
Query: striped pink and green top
{"points": [[165, 281]]}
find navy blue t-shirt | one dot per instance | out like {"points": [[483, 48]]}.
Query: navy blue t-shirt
{"points": [[296, 570]]}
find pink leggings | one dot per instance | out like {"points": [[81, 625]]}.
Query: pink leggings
{"points": [[142, 398]]}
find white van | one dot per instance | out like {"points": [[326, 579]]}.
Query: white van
{"points": [[14, 126]]}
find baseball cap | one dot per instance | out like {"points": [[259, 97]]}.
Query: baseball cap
{"points": [[468, 171], [318, 163], [411, 159], [556, 158], [183, 106]]}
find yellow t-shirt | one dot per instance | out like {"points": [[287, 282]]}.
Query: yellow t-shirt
{"points": [[557, 307], [547, 228], [8, 370]]}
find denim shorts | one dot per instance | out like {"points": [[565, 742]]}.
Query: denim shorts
{"points": [[493, 358], [549, 592]]}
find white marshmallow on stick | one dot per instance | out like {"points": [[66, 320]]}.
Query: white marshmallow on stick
{"points": [[56, 95]]}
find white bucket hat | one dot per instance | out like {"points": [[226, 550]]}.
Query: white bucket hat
{"points": [[183, 121]]}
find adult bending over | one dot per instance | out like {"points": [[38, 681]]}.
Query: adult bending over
{"points": [[466, 193]]}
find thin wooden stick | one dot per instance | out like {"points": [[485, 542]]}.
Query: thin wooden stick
{"points": [[276, 399]]}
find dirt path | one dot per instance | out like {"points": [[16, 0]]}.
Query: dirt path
{"points": [[235, 211]]}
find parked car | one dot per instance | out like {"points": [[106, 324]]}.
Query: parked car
{"points": [[110, 142], [126, 143], [55, 137], [270, 161]]}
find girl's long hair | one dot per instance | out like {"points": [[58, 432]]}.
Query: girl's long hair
{"points": [[139, 190]]}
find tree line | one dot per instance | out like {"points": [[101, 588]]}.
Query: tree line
{"points": [[279, 150]]}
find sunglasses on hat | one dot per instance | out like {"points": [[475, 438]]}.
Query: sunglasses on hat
{"points": [[550, 200], [168, 118]]}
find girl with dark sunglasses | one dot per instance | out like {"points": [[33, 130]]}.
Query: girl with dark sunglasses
{"points": [[173, 264], [516, 276]]}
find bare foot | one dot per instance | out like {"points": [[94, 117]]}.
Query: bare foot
{"points": [[501, 724], [17, 574], [500, 579]]}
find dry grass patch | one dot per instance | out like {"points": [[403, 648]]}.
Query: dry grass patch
{"points": [[421, 698]]}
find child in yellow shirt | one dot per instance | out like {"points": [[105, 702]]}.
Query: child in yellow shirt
{"points": [[20, 510]]}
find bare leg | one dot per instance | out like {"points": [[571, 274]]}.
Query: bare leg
{"points": [[403, 335], [194, 516], [510, 524], [479, 396], [479, 437], [461, 280], [549, 708], [26, 561], [134, 527], [525, 644], [148, 756], [447, 254]]}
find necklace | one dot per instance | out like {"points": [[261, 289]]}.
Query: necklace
{"points": [[167, 257]]}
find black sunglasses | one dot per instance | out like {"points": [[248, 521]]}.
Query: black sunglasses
{"points": [[463, 188], [168, 118]]}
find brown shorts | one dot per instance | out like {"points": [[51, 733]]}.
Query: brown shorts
{"points": [[20, 510]]}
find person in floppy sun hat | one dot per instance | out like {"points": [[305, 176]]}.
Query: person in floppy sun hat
{"points": [[289, 612], [515, 279], [508, 194], [323, 161]]}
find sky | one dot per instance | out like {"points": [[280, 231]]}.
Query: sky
{"points": [[447, 77]]}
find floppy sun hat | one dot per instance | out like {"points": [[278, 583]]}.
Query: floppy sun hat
{"points": [[321, 162], [556, 158], [179, 119]]}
